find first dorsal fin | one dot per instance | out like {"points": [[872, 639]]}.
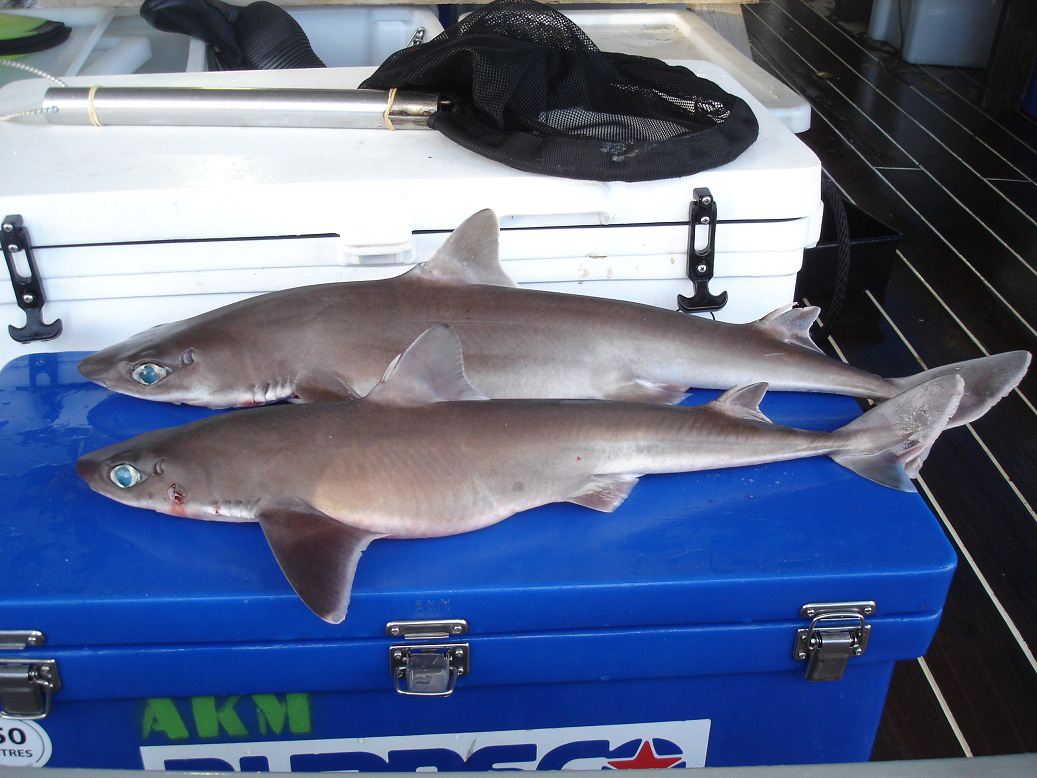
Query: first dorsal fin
{"points": [[430, 370], [469, 256], [792, 325], [743, 402]]}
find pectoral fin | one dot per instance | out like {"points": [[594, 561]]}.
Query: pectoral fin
{"points": [[317, 554]]}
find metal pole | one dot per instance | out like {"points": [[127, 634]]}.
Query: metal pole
{"points": [[236, 107]]}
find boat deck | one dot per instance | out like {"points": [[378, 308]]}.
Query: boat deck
{"points": [[911, 145]]}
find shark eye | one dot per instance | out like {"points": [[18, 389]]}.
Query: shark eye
{"points": [[149, 373], [125, 476], [158, 466]]}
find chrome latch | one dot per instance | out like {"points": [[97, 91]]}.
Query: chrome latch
{"points": [[427, 669], [18, 639], [426, 630], [837, 631], [26, 686], [417, 38]]}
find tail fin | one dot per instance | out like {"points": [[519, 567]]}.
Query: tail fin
{"points": [[889, 443], [987, 380]]}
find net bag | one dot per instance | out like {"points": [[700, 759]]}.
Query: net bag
{"points": [[526, 87]]}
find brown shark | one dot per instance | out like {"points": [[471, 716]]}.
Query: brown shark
{"points": [[333, 341], [425, 454]]}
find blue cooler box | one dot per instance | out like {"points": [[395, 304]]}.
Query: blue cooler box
{"points": [[681, 630]]}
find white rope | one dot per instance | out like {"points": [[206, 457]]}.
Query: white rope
{"points": [[36, 72], [30, 69], [30, 112]]}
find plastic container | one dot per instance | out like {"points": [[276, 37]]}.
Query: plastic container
{"points": [[938, 32]]}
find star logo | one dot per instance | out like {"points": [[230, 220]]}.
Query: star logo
{"points": [[645, 759]]}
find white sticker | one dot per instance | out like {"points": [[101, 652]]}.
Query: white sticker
{"points": [[616, 746], [23, 744]]}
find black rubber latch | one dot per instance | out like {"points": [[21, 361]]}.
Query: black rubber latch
{"points": [[700, 260], [28, 290]]}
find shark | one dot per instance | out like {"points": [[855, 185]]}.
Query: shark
{"points": [[332, 342], [324, 480]]}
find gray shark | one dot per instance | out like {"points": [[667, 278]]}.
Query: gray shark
{"points": [[331, 342], [425, 454]]}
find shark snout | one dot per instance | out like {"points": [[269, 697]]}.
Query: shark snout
{"points": [[86, 467], [94, 367]]}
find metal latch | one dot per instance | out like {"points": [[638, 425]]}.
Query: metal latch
{"points": [[26, 281], [26, 686], [427, 669], [417, 38], [837, 631], [700, 260], [17, 639]]}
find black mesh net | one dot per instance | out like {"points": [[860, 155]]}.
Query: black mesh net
{"points": [[526, 87]]}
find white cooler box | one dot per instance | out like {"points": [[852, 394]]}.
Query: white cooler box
{"points": [[135, 226]]}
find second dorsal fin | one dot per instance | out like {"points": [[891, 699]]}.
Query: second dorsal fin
{"points": [[430, 370], [743, 402], [469, 256], [791, 325]]}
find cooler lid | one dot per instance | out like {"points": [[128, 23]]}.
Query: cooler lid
{"points": [[85, 184], [737, 546]]}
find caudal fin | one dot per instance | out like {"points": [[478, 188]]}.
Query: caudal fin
{"points": [[987, 380], [889, 443]]}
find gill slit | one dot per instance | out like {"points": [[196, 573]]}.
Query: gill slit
{"points": [[246, 510], [272, 391]]}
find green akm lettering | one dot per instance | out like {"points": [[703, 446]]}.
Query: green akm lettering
{"points": [[214, 717]]}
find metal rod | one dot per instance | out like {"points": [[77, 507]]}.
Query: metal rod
{"points": [[236, 107]]}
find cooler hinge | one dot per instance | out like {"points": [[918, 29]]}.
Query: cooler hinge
{"points": [[26, 282], [837, 631], [26, 686], [702, 220], [426, 669]]}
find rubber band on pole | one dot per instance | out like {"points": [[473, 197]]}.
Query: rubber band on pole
{"points": [[90, 107], [388, 107]]}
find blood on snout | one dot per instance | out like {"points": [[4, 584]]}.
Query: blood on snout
{"points": [[176, 494]]}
